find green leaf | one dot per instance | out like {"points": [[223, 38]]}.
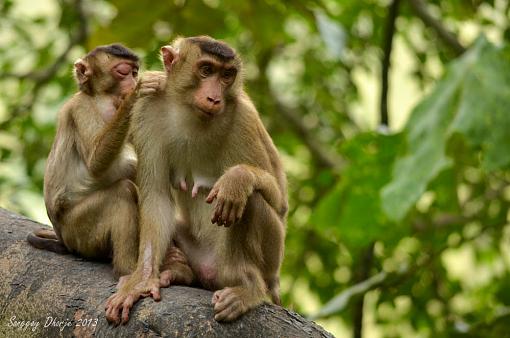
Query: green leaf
{"points": [[352, 209], [471, 100]]}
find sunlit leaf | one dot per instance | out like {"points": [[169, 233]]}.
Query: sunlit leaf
{"points": [[470, 99]]}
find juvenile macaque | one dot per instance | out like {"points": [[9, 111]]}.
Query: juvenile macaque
{"points": [[89, 189], [204, 158]]}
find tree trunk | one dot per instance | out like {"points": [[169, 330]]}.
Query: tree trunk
{"points": [[43, 294]]}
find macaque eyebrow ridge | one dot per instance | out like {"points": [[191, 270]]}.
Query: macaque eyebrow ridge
{"points": [[218, 49]]}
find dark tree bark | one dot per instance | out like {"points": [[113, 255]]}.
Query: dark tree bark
{"points": [[66, 294], [386, 62]]}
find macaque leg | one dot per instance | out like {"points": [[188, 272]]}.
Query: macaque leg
{"points": [[94, 227], [263, 228], [175, 268], [125, 230]]}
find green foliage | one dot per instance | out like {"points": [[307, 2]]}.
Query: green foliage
{"points": [[352, 210], [471, 99], [415, 219]]}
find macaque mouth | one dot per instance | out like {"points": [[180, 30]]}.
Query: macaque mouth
{"points": [[206, 112]]}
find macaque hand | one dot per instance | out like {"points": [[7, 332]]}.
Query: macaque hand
{"points": [[151, 83], [120, 303], [231, 191]]}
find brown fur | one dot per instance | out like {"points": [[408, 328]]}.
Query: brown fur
{"points": [[189, 158], [89, 192]]}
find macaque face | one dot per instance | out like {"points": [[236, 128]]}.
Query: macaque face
{"points": [[126, 72], [214, 79]]}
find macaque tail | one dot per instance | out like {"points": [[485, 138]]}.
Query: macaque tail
{"points": [[46, 240]]}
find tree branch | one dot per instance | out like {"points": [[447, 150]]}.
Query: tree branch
{"points": [[38, 286], [323, 158], [420, 8], [386, 62]]}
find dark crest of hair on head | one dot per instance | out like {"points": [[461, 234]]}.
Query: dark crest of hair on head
{"points": [[115, 49], [217, 48]]}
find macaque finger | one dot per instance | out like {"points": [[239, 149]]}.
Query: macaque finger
{"points": [[183, 185], [225, 212], [212, 195], [232, 215], [146, 91], [239, 213], [217, 211], [215, 297]]}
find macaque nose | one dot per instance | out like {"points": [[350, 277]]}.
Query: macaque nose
{"points": [[213, 100]]}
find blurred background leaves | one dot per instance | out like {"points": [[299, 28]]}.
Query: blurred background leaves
{"points": [[398, 226]]}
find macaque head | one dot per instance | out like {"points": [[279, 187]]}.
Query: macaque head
{"points": [[110, 69], [205, 72]]}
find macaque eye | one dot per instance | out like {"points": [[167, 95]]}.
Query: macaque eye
{"points": [[135, 72], [206, 70], [228, 74], [123, 69]]}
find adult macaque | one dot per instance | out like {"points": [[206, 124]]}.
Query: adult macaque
{"points": [[89, 192], [201, 141]]}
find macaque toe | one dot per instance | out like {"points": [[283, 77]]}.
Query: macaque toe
{"points": [[127, 305], [165, 278], [114, 305], [154, 292], [228, 305]]}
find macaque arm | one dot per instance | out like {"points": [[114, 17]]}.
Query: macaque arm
{"points": [[266, 184], [108, 143], [99, 148], [235, 186]]}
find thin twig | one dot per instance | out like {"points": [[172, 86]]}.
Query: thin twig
{"points": [[318, 151], [420, 8]]}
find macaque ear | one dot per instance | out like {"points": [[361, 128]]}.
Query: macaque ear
{"points": [[169, 55], [82, 71]]}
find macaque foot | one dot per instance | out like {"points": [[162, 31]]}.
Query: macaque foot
{"points": [[122, 281], [228, 304], [120, 303]]}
